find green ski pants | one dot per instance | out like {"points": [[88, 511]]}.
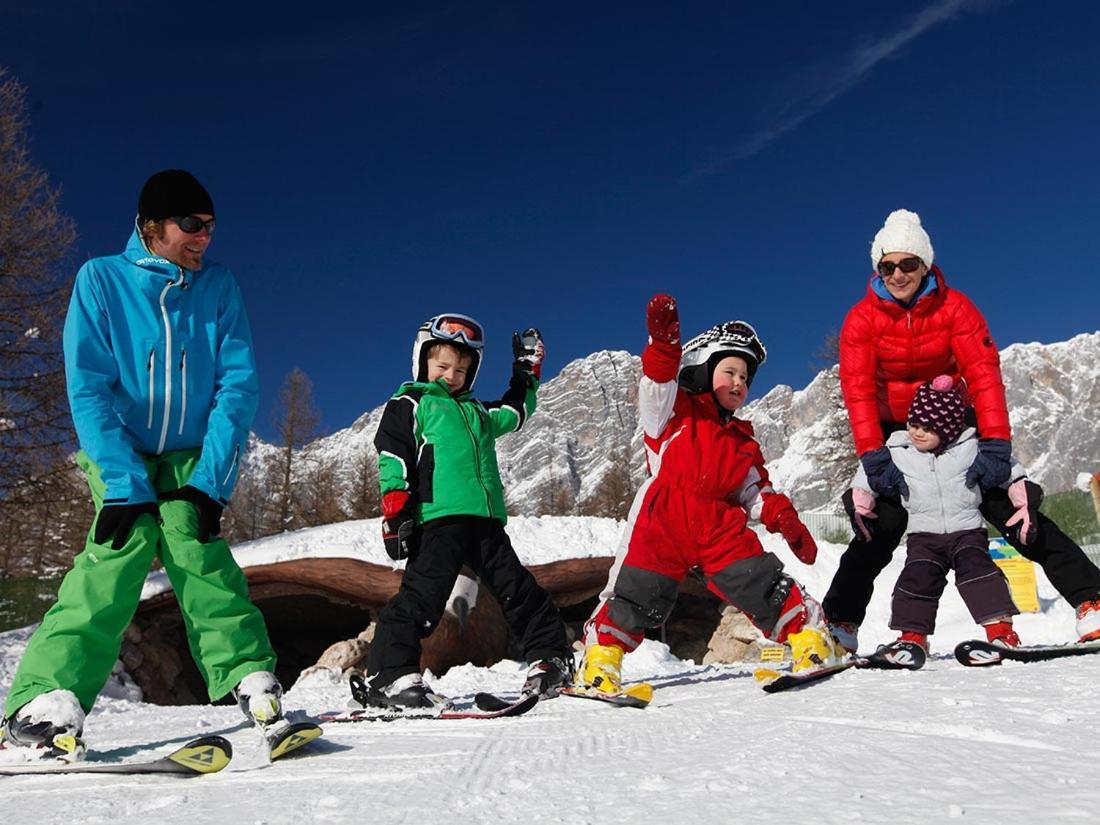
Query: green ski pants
{"points": [[79, 640]]}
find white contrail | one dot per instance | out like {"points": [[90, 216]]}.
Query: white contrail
{"points": [[857, 65]]}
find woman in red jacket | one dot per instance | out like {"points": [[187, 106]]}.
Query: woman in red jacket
{"points": [[909, 328]]}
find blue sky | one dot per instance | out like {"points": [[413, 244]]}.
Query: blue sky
{"points": [[555, 164]]}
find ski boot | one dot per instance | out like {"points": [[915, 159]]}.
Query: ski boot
{"points": [[546, 677], [259, 696], [49, 727], [1001, 634], [407, 695], [1088, 621], [603, 666], [814, 647], [846, 635]]}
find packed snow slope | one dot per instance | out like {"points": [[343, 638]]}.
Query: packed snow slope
{"points": [[1012, 744]]}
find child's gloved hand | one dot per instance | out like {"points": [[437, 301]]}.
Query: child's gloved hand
{"points": [[992, 465], [1026, 496], [663, 320], [779, 516], [529, 351], [859, 504], [883, 474], [399, 532]]}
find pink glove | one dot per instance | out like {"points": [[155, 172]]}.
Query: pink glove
{"points": [[1026, 496], [863, 503]]}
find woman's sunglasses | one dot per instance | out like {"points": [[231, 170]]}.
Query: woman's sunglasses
{"points": [[886, 268]]}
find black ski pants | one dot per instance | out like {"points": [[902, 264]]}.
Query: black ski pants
{"points": [[446, 545], [929, 556], [1075, 577]]}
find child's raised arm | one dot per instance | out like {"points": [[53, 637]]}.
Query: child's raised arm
{"points": [[660, 365]]}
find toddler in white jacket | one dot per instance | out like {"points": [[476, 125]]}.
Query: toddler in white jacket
{"points": [[946, 531]]}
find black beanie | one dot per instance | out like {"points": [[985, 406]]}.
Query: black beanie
{"points": [[171, 193]]}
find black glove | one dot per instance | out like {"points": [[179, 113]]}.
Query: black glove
{"points": [[883, 474], [992, 466], [118, 520], [529, 350], [399, 531], [209, 511]]}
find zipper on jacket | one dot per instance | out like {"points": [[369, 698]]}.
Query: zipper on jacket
{"points": [[909, 325], [151, 366], [477, 457], [167, 360], [183, 390], [232, 464]]}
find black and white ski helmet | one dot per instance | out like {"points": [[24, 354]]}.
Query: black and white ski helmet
{"points": [[460, 331], [705, 350]]}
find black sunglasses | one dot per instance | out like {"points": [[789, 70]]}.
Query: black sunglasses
{"points": [[885, 268], [192, 225]]}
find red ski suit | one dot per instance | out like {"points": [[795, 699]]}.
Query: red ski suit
{"points": [[887, 351], [706, 475]]}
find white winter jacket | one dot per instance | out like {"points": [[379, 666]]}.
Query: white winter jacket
{"points": [[939, 500]]}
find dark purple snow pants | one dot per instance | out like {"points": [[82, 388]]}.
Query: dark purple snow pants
{"points": [[981, 583]]}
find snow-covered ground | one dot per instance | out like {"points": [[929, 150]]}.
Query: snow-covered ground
{"points": [[1014, 744]]}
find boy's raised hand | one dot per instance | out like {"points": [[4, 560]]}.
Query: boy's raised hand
{"points": [[663, 319], [529, 351]]}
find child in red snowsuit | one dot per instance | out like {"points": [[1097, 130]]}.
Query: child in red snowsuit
{"points": [[706, 479]]}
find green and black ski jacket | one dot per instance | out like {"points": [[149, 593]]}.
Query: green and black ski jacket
{"points": [[441, 448]]}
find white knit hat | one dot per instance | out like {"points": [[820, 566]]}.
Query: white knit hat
{"points": [[902, 232]]}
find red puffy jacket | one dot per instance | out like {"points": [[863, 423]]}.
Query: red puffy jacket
{"points": [[887, 351]]}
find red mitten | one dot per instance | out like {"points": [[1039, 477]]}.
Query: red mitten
{"points": [[779, 516], [663, 320]]}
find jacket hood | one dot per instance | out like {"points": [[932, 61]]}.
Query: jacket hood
{"points": [[930, 295], [139, 255]]}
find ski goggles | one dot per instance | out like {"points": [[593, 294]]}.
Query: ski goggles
{"points": [[461, 328], [906, 265], [192, 225]]}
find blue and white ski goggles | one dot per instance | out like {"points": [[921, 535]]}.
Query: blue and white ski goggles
{"points": [[461, 328]]}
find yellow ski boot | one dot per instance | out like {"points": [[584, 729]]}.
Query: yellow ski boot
{"points": [[603, 665], [812, 648]]}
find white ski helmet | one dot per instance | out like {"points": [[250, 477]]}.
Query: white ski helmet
{"points": [[705, 350], [460, 331]]}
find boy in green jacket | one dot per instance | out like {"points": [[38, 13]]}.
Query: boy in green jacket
{"points": [[443, 507]]}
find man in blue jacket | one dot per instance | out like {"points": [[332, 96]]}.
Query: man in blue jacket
{"points": [[163, 389]]}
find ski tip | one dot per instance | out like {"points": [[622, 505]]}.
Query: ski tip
{"points": [[765, 675], [206, 755], [977, 654], [294, 737]]}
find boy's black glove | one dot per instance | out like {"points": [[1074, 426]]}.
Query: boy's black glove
{"points": [[993, 464], [883, 475], [399, 530], [209, 511], [529, 351], [118, 520]]}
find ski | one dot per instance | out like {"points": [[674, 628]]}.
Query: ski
{"points": [[207, 754], [894, 656], [977, 653], [289, 738], [773, 681], [632, 696], [382, 714]]}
